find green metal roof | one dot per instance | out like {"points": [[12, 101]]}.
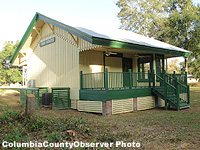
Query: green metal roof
{"points": [[116, 39]]}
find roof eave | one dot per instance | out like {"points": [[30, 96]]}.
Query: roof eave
{"points": [[131, 46]]}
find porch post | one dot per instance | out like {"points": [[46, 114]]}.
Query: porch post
{"points": [[149, 76], [131, 79], [106, 79], [154, 79], [186, 65], [154, 62], [154, 67], [81, 80], [174, 76]]}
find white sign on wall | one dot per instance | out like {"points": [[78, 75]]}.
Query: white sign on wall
{"points": [[49, 41]]}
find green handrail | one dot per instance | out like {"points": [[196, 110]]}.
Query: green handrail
{"points": [[174, 86], [171, 85]]}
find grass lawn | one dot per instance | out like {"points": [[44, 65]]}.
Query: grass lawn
{"points": [[154, 129]]}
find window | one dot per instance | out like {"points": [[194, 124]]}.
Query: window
{"points": [[159, 64], [145, 62]]}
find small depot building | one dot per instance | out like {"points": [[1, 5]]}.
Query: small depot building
{"points": [[106, 72]]}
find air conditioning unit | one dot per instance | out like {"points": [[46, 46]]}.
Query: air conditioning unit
{"points": [[46, 99]]}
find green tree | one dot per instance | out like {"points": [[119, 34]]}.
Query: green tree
{"points": [[179, 25], [2, 73], [174, 65], [176, 22], [194, 67], [8, 50], [142, 16], [194, 61], [7, 74]]}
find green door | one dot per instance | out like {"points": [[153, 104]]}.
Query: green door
{"points": [[127, 64]]}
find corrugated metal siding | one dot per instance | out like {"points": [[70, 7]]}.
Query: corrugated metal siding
{"points": [[84, 45], [56, 64], [145, 102], [122, 106], [90, 106]]}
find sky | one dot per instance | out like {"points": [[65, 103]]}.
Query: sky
{"points": [[16, 15]]}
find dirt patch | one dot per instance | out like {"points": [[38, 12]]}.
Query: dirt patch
{"points": [[9, 98]]}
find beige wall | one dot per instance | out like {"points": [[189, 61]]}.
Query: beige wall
{"points": [[114, 64], [56, 64], [92, 61]]}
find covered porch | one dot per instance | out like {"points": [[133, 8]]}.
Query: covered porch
{"points": [[127, 80], [113, 69]]}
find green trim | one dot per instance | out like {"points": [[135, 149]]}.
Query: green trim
{"points": [[103, 95], [93, 95], [131, 46], [106, 79], [24, 38], [129, 93]]}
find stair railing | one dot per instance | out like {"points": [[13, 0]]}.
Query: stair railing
{"points": [[172, 86], [184, 90]]}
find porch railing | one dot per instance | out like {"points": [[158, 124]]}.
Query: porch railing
{"points": [[128, 80], [115, 80]]}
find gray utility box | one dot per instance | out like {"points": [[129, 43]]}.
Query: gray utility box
{"points": [[46, 99], [31, 83]]}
